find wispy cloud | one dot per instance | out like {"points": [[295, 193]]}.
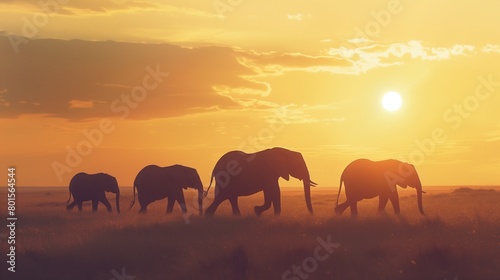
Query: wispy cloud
{"points": [[490, 48], [269, 64], [352, 60], [369, 55], [298, 16], [3, 102], [103, 7], [81, 104], [82, 7]]}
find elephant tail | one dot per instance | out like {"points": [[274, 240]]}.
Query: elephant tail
{"points": [[338, 195], [205, 193], [67, 202], [133, 201]]}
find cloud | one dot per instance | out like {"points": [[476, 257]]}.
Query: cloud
{"points": [[353, 58], [81, 104], [81, 79], [102, 7], [490, 48], [297, 17], [3, 102], [366, 55], [78, 7], [267, 64]]}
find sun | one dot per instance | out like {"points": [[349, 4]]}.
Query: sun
{"points": [[392, 101]]}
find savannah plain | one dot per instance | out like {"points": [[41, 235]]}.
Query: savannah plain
{"points": [[458, 238]]}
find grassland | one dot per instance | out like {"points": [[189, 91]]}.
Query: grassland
{"points": [[459, 238]]}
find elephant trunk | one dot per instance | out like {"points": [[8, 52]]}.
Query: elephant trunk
{"points": [[419, 199], [118, 202], [307, 193], [200, 200]]}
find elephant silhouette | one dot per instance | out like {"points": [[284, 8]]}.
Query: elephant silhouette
{"points": [[85, 187], [155, 183], [240, 174], [365, 179]]}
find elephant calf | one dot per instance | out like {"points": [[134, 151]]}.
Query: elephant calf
{"points": [[364, 179], [93, 187], [155, 183]]}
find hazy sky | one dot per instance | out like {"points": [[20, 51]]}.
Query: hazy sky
{"points": [[112, 86]]}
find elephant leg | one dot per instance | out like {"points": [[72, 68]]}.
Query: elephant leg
{"points": [[234, 205], [144, 204], [94, 205], [341, 208], [382, 201], [267, 204], [182, 202], [79, 204], [276, 198], [219, 198], [170, 204], [106, 203], [395, 202], [70, 206], [354, 208]]}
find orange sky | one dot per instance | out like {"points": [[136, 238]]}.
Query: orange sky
{"points": [[124, 84]]}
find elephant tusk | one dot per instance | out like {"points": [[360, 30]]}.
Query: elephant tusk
{"points": [[312, 183], [423, 192]]}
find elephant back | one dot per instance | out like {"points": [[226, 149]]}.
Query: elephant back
{"points": [[156, 181]]}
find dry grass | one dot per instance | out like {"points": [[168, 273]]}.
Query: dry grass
{"points": [[458, 239]]}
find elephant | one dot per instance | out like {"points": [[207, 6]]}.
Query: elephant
{"points": [[241, 174], [365, 179], [92, 187], [155, 183]]}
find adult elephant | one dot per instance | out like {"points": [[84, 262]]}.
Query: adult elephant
{"points": [[364, 179], [92, 187], [155, 183], [241, 174]]}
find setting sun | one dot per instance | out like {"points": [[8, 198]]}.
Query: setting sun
{"points": [[392, 101]]}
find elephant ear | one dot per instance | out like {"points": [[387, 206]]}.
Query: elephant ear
{"points": [[278, 162], [409, 171], [105, 181], [177, 179]]}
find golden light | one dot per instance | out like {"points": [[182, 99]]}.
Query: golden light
{"points": [[392, 101]]}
